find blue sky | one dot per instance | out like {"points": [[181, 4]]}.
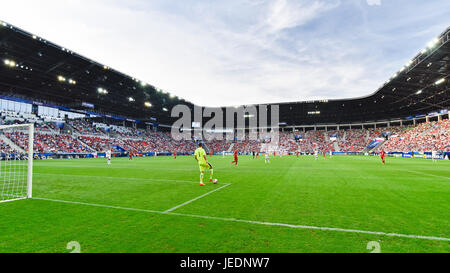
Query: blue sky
{"points": [[221, 53]]}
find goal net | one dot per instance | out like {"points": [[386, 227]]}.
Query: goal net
{"points": [[16, 161]]}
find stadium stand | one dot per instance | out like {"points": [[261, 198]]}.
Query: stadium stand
{"points": [[91, 137], [426, 137], [88, 137], [94, 115]]}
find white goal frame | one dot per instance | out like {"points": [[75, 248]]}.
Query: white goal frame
{"points": [[30, 127]]}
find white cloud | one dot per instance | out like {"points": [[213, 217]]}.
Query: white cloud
{"points": [[238, 52], [374, 2], [287, 13]]}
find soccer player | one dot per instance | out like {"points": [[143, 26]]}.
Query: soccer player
{"points": [[297, 154], [331, 154], [174, 154], [223, 154], [235, 161], [382, 155], [316, 154], [433, 156], [131, 155], [203, 164], [108, 156], [266, 158]]}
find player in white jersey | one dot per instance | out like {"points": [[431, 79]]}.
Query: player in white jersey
{"points": [[331, 154], [434, 156], [266, 158], [108, 156], [316, 154], [223, 154]]}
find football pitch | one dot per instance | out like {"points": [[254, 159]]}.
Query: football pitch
{"points": [[338, 204]]}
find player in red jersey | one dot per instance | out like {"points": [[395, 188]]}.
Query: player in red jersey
{"points": [[131, 155], [174, 154], [235, 161], [382, 155], [297, 154]]}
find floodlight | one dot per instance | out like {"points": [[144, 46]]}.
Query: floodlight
{"points": [[439, 81]]}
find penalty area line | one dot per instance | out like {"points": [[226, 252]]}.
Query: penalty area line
{"points": [[196, 198], [158, 180], [254, 222], [429, 174]]}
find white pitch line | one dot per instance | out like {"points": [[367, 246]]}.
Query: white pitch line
{"points": [[256, 222], [196, 198], [430, 174], [15, 199], [315, 227], [122, 178], [96, 205]]}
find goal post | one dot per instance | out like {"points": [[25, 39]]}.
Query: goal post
{"points": [[16, 162]]}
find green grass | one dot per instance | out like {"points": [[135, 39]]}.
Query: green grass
{"points": [[406, 196]]}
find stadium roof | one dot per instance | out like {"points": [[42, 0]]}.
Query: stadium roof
{"points": [[420, 87], [40, 70]]}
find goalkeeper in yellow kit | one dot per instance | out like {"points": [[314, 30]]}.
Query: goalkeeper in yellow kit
{"points": [[203, 164]]}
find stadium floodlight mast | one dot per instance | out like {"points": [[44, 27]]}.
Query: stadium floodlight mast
{"points": [[16, 164]]}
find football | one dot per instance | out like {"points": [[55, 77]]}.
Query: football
{"points": [[215, 181]]}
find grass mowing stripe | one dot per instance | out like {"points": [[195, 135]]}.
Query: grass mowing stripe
{"points": [[192, 200], [256, 222]]}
